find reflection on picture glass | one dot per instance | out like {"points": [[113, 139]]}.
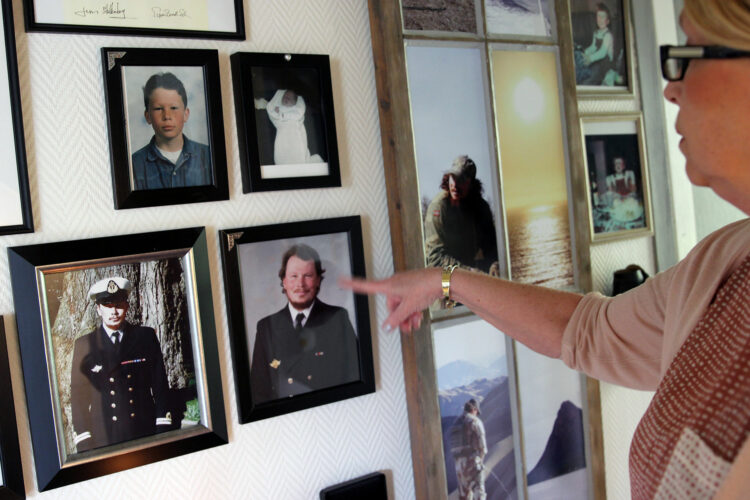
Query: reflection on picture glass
{"points": [[472, 372]]}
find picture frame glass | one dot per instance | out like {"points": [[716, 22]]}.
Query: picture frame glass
{"points": [[473, 363], [263, 297], [290, 122], [529, 121], [553, 409], [520, 18], [618, 184], [454, 157], [600, 50], [15, 203], [11, 209], [161, 303], [217, 16], [144, 124], [456, 17], [166, 126]]}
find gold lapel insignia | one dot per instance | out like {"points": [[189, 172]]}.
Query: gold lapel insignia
{"points": [[275, 363]]}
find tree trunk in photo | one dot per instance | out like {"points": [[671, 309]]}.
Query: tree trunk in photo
{"points": [[157, 300]]}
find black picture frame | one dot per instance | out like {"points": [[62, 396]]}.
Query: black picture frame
{"points": [[14, 176], [251, 259], [33, 272], [12, 485], [126, 71], [91, 16], [308, 143], [372, 486]]}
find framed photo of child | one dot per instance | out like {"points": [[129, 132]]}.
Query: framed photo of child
{"points": [[601, 46], [166, 129], [285, 121], [619, 200]]}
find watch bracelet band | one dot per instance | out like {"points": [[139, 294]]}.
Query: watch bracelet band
{"points": [[446, 276]]}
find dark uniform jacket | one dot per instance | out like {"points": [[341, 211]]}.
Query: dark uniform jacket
{"points": [[321, 354], [117, 393]]}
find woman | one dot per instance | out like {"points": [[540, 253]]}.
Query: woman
{"points": [[685, 332]]}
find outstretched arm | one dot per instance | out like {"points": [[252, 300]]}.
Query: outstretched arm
{"points": [[533, 315]]}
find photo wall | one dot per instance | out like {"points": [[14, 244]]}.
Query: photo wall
{"points": [[518, 73], [200, 447]]}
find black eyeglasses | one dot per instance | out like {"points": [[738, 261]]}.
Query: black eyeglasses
{"points": [[675, 59]]}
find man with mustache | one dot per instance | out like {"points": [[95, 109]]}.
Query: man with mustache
{"points": [[118, 384], [308, 345]]}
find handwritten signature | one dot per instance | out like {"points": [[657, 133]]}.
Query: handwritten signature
{"points": [[113, 10], [110, 9], [159, 12]]}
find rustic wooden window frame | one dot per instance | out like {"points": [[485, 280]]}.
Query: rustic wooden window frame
{"points": [[401, 185]]}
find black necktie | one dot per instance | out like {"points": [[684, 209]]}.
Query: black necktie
{"points": [[116, 337], [298, 321]]}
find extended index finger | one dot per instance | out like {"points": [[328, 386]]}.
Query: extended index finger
{"points": [[360, 285]]}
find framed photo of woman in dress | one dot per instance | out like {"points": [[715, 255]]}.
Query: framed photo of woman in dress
{"points": [[619, 200], [285, 121]]}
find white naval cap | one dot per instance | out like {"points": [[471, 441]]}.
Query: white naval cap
{"points": [[110, 290]]}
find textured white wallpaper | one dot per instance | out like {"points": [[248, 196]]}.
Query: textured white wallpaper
{"points": [[289, 457]]}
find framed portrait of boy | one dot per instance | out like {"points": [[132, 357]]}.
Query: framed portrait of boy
{"points": [[195, 19], [118, 345], [298, 340], [166, 128], [285, 121], [618, 188], [601, 47], [15, 200], [11, 472]]}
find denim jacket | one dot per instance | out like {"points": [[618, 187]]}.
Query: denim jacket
{"points": [[151, 170]]}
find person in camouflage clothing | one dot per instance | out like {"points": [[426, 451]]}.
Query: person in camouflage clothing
{"points": [[469, 447]]}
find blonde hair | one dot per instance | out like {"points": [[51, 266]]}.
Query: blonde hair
{"points": [[724, 22]]}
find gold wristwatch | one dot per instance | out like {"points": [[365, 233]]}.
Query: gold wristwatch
{"points": [[446, 282]]}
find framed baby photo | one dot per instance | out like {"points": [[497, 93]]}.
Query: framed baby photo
{"points": [[15, 200], [193, 19], [601, 47], [166, 127], [298, 340], [285, 121], [618, 191], [119, 353], [11, 472]]}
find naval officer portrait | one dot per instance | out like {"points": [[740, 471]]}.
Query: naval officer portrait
{"points": [[119, 388], [308, 344]]}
